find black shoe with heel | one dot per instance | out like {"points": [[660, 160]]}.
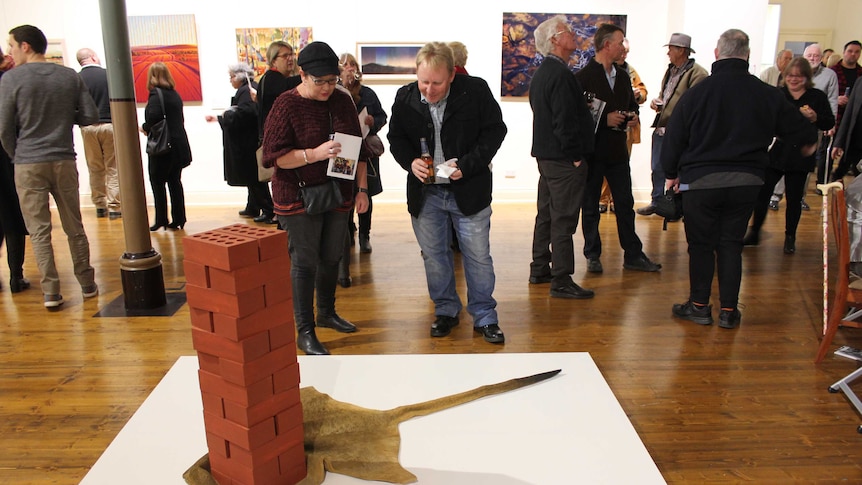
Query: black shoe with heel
{"points": [[176, 225], [789, 244], [155, 227]]}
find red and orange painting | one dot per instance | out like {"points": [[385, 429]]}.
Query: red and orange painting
{"points": [[172, 40]]}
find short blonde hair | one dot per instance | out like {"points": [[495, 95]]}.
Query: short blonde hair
{"points": [[436, 54], [459, 52], [159, 76]]}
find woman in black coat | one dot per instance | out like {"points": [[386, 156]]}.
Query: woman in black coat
{"points": [[785, 158], [167, 169], [240, 139]]}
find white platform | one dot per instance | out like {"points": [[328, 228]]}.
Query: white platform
{"points": [[569, 429]]}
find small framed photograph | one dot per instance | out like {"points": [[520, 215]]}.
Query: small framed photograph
{"points": [[388, 62]]}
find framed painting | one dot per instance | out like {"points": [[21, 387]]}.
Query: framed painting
{"points": [[388, 62], [520, 58], [798, 39], [56, 51], [251, 44], [172, 40]]}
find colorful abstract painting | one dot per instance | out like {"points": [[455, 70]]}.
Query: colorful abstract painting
{"points": [[251, 43], [56, 51], [172, 40], [520, 58]]}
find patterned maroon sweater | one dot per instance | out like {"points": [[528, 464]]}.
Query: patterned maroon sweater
{"points": [[295, 122]]}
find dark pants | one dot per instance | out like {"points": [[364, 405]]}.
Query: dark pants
{"points": [[824, 161], [560, 194], [171, 175], [794, 183], [315, 244], [715, 223], [259, 198], [619, 180]]}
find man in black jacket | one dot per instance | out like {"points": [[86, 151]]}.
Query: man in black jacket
{"points": [[562, 143], [463, 126], [611, 84], [715, 153]]}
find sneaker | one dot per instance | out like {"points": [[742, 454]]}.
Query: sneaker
{"points": [[594, 265], [805, 205], [701, 315], [101, 212], [729, 318], [773, 204], [646, 211], [90, 291], [53, 301]]}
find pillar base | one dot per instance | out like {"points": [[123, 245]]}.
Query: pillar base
{"points": [[143, 280]]}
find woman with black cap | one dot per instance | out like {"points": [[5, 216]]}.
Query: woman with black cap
{"points": [[297, 141]]}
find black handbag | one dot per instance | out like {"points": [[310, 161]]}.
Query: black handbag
{"points": [[158, 136], [320, 198], [669, 206]]}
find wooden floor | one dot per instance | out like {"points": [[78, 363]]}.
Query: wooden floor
{"points": [[711, 405]]}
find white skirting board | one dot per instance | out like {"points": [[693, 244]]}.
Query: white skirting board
{"points": [[569, 429]]}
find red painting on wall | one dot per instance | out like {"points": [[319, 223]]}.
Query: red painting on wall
{"points": [[172, 40]]}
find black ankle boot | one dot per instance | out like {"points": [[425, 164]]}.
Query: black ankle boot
{"points": [[789, 244], [307, 342]]}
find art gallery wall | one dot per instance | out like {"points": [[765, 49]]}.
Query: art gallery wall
{"points": [[342, 24]]}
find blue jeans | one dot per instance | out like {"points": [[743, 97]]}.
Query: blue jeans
{"points": [[658, 178], [439, 214]]}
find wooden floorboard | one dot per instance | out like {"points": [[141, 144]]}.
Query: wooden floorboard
{"points": [[711, 405]]}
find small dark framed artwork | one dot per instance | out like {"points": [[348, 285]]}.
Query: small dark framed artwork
{"points": [[388, 62]]}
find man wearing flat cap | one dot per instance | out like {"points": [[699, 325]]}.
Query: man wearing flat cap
{"points": [[682, 73]]}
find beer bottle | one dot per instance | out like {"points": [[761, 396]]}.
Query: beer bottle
{"points": [[429, 162]]}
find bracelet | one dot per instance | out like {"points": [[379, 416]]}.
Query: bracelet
{"points": [[363, 190], [304, 156]]}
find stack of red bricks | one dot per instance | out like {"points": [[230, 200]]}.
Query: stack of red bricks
{"points": [[239, 296]]}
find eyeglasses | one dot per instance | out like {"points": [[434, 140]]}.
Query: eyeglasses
{"points": [[562, 32], [321, 82], [289, 54]]}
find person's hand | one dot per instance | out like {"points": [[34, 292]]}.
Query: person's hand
{"points": [[656, 104], [362, 202], [830, 132], [615, 118], [837, 153], [253, 93], [369, 120], [457, 174], [325, 150], [420, 169], [842, 100], [808, 113], [577, 163], [634, 122], [210, 118], [672, 183]]}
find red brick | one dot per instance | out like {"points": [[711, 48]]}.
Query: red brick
{"points": [[248, 437], [266, 409], [217, 444], [289, 418], [286, 378], [274, 293], [235, 328], [263, 474], [292, 466], [238, 305], [282, 335], [208, 362], [247, 396], [213, 403], [272, 243], [196, 273], [221, 250], [274, 271], [202, 319], [270, 450], [245, 350], [249, 371], [221, 478]]}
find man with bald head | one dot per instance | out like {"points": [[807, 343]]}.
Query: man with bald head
{"points": [[774, 75], [99, 139]]}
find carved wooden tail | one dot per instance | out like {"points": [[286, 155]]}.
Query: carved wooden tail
{"points": [[410, 411]]}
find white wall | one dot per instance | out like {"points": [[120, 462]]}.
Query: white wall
{"points": [[477, 24]]}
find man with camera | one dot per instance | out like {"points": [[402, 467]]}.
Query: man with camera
{"points": [[611, 84]]}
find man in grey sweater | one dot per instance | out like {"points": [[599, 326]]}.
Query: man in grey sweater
{"points": [[39, 104]]}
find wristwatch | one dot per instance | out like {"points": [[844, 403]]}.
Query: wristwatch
{"points": [[363, 189]]}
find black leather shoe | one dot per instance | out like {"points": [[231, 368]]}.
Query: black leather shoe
{"points": [[156, 227], [491, 333], [17, 285], [364, 244], [701, 315], [571, 290], [751, 238], [594, 265], [789, 244], [336, 323], [114, 215], [538, 280], [603, 208], [265, 218], [307, 342], [646, 211], [443, 325], [642, 263], [345, 282], [101, 212], [248, 213]]}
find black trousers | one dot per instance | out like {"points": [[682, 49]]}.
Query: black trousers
{"points": [[794, 183], [715, 223], [172, 177], [259, 198], [560, 194], [619, 180]]}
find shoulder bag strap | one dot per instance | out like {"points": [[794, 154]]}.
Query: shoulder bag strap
{"points": [[162, 103]]}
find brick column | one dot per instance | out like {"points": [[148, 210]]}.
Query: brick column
{"points": [[239, 295]]}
